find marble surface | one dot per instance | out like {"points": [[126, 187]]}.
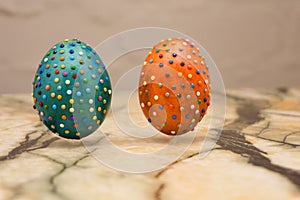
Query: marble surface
{"points": [[256, 156]]}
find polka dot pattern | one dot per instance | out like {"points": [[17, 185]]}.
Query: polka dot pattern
{"points": [[174, 89], [72, 89]]}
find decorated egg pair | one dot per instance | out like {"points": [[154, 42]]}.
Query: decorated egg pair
{"points": [[72, 89]]}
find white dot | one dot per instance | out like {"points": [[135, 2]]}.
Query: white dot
{"points": [[189, 56], [198, 93], [69, 92], [192, 107], [155, 97], [154, 114], [143, 105], [80, 53], [91, 101], [181, 108]]}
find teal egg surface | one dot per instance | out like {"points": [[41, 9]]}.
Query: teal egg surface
{"points": [[72, 89]]}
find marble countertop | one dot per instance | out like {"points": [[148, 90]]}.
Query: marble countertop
{"points": [[256, 157]]}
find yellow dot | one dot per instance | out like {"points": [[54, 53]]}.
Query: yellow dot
{"points": [[152, 78], [67, 82], [149, 103], [52, 94], [59, 97], [173, 132], [77, 134], [99, 109], [91, 109], [190, 75], [98, 122], [61, 125], [67, 131], [63, 107], [95, 118], [90, 67], [71, 101], [63, 66], [71, 110], [62, 51], [56, 80], [144, 83], [105, 89], [179, 74]]}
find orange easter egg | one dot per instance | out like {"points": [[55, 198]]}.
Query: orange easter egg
{"points": [[174, 87]]}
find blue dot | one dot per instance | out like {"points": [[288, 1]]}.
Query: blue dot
{"points": [[207, 67], [149, 120], [192, 85], [78, 94], [205, 99], [191, 125], [41, 71], [59, 87], [174, 55], [44, 96], [187, 116], [72, 58], [71, 51], [171, 61], [182, 64], [161, 107], [161, 65], [54, 106], [203, 110], [174, 117], [198, 71], [151, 61], [157, 50], [73, 44], [106, 78], [62, 45], [88, 90]]}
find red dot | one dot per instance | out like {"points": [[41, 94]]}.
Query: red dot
{"points": [[57, 71], [47, 87], [41, 103], [171, 106], [74, 76]]}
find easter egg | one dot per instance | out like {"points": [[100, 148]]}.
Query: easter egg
{"points": [[174, 86], [72, 89]]}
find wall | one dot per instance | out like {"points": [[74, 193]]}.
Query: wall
{"points": [[255, 43]]}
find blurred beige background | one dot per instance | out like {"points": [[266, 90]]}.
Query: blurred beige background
{"points": [[254, 43]]}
